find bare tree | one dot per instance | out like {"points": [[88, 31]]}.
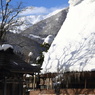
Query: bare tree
{"points": [[8, 16]]}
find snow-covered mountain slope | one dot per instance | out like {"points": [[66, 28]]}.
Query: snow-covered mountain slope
{"points": [[74, 47], [49, 26], [31, 19], [27, 22]]}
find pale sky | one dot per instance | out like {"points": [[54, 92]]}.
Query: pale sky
{"points": [[42, 7]]}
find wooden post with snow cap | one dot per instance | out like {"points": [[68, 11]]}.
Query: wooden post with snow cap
{"points": [[34, 81]]}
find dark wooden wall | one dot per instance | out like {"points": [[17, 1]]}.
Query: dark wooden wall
{"points": [[78, 80]]}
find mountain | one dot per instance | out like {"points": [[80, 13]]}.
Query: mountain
{"points": [[27, 22], [31, 39], [73, 49], [23, 46], [29, 19], [48, 26]]}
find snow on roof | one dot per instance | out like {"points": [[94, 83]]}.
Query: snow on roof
{"points": [[5, 47], [73, 49], [34, 64]]}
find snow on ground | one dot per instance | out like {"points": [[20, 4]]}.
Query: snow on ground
{"points": [[35, 37], [74, 47]]}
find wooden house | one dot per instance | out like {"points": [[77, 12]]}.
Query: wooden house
{"points": [[12, 69]]}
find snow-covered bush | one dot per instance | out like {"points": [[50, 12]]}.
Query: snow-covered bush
{"points": [[48, 39]]}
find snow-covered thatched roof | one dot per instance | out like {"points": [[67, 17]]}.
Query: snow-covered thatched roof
{"points": [[74, 47]]}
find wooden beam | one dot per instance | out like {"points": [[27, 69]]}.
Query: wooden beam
{"points": [[5, 86], [20, 87]]}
